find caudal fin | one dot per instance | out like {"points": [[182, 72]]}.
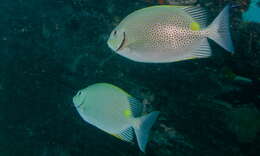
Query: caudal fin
{"points": [[143, 128], [219, 30]]}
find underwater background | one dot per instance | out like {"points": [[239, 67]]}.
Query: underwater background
{"points": [[49, 49]]}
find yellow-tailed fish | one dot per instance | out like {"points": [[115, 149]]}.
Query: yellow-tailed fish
{"points": [[114, 111], [167, 33]]}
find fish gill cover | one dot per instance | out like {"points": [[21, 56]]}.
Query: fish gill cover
{"points": [[52, 48]]}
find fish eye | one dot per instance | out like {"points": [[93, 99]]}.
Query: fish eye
{"points": [[115, 32], [79, 93]]}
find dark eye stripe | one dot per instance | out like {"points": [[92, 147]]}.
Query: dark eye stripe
{"points": [[122, 43]]}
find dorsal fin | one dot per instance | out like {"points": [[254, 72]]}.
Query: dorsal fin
{"points": [[136, 106], [198, 14]]}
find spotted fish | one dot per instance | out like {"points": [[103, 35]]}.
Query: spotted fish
{"points": [[167, 33]]}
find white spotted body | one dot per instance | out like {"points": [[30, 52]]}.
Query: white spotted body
{"points": [[162, 34], [165, 30]]}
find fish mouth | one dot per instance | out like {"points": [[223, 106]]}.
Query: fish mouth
{"points": [[122, 43], [77, 104]]}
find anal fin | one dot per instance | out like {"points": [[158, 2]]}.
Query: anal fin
{"points": [[125, 135], [202, 50]]}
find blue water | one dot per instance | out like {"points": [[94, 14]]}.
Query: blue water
{"points": [[253, 13]]}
